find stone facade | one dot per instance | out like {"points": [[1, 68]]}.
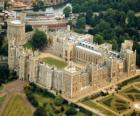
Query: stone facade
{"points": [[16, 39], [101, 64]]}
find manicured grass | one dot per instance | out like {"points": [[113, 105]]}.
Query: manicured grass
{"points": [[97, 107], [107, 100], [52, 61], [138, 85], [133, 114], [114, 103], [17, 107], [42, 99], [131, 93], [28, 45]]}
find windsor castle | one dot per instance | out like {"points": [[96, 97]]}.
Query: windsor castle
{"points": [[88, 65]]}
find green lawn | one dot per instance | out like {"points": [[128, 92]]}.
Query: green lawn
{"points": [[115, 103], [131, 93], [97, 107], [138, 85], [42, 99], [28, 45], [17, 106], [52, 61]]}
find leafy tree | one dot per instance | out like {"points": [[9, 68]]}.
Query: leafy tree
{"points": [[67, 11], [39, 40], [81, 22], [49, 110], [4, 49], [71, 111], [89, 15], [4, 73], [98, 39], [114, 44], [39, 4], [40, 111], [28, 28], [58, 100]]}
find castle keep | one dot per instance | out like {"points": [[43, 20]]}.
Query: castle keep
{"points": [[89, 65]]}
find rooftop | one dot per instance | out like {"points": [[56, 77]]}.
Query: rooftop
{"points": [[16, 22]]}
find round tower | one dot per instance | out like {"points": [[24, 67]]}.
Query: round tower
{"points": [[16, 39]]}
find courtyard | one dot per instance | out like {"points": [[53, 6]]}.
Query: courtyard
{"points": [[53, 61], [123, 102]]}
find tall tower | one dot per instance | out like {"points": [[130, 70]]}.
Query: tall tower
{"points": [[129, 57], [16, 39]]}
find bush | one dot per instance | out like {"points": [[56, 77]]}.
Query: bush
{"points": [[71, 111], [28, 28], [58, 100], [39, 40], [40, 111]]}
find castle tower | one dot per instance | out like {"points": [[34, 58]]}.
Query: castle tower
{"points": [[16, 39], [129, 57]]}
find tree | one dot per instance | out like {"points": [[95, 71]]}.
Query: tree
{"points": [[114, 44], [4, 49], [98, 39], [39, 4], [40, 111], [39, 40], [67, 11], [4, 73], [89, 18], [28, 28], [58, 100], [71, 111], [81, 22]]}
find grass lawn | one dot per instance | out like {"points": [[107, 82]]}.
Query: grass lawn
{"points": [[138, 85], [131, 93], [133, 114], [28, 45], [52, 61], [42, 99], [17, 107], [97, 107], [114, 103], [49, 100]]}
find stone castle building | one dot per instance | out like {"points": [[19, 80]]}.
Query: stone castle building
{"points": [[89, 65]]}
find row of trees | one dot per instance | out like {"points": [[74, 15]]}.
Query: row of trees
{"points": [[38, 5], [102, 5], [111, 21], [47, 109], [6, 75]]}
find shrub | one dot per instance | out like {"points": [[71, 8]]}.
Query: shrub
{"points": [[58, 100], [71, 111]]}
